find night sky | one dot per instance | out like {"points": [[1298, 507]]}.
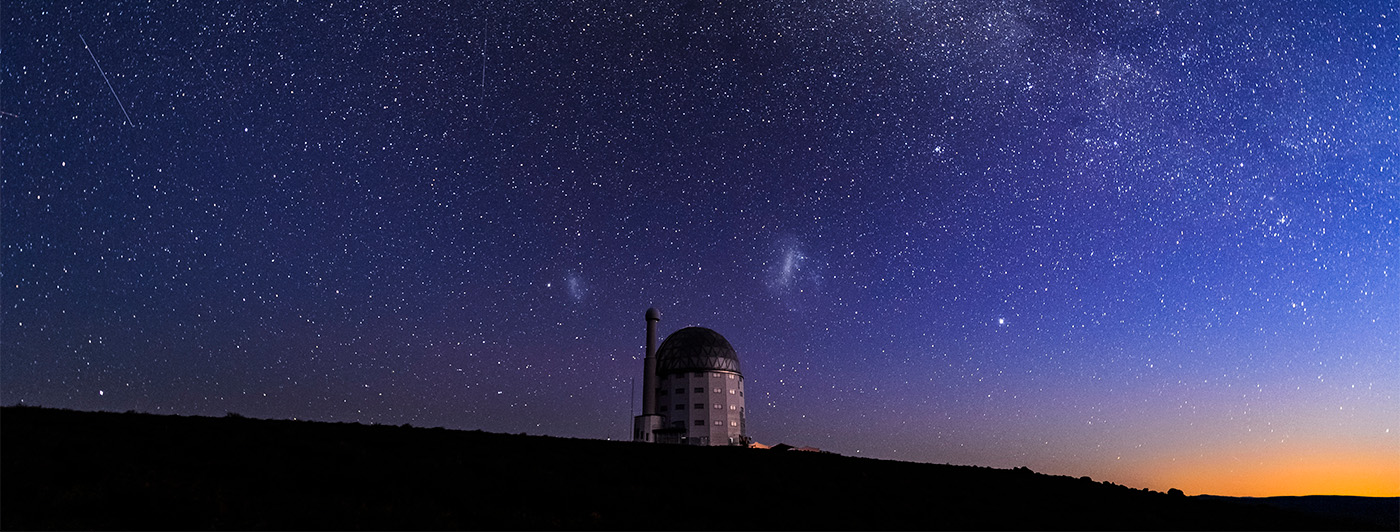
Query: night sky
{"points": [[1151, 242]]}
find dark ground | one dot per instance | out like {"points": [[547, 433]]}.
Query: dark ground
{"points": [[89, 470]]}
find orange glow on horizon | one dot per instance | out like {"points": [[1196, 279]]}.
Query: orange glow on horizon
{"points": [[1314, 471]]}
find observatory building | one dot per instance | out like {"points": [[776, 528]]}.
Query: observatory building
{"points": [[692, 390]]}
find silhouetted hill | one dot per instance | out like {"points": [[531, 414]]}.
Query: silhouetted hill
{"points": [[90, 470]]}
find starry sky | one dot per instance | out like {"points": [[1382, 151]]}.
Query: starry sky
{"points": [[1150, 242]]}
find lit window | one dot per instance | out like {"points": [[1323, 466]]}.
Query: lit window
{"points": [[731, 376], [719, 423], [719, 406], [719, 390], [699, 390], [699, 406], [699, 422], [733, 423], [731, 407], [731, 392]]}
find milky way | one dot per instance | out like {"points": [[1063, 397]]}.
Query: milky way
{"points": [[1154, 243]]}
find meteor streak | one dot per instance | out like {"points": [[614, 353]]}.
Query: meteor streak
{"points": [[109, 83]]}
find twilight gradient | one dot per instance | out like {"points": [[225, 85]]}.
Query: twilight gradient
{"points": [[1150, 242]]}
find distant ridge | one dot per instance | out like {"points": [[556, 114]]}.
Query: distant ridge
{"points": [[1383, 512], [65, 469]]}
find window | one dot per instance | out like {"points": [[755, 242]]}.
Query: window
{"points": [[733, 423], [741, 393], [663, 408], [699, 422], [680, 391], [731, 407], [731, 376], [660, 391], [719, 406], [699, 406], [719, 390], [680, 408], [699, 390], [731, 392], [719, 423]]}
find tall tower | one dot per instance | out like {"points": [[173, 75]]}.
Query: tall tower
{"points": [[644, 426]]}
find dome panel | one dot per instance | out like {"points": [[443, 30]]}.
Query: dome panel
{"points": [[696, 349]]}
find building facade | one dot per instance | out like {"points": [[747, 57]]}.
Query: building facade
{"points": [[693, 390]]}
